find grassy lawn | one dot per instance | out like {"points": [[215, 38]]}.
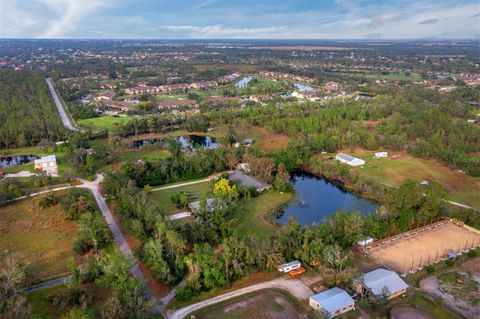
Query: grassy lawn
{"points": [[253, 211], [103, 122], [170, 97], [144, 154], [437, 308], [459, 186], [262, 85], [41, 235], [162, 198], [269, 303]]}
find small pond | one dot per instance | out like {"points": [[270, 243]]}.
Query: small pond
{"points": [[189, 142], [14, 160], [317, 198], [243, 82]]}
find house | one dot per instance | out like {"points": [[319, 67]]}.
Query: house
{"points": [[348, 159], [260, 98], [47, 164], [177, 104], [331, 86], [107, 95], [209, 205], [289, 266], [333, 302], [382, 282], [247, 181], [381, 154]]}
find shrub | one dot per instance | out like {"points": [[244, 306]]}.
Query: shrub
{"points": [[430, 269], [47, 200], [450, 262], [473, 253], [185, 293]]}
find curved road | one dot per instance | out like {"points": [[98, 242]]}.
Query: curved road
{"points": [[61, 110], [294, 286]]}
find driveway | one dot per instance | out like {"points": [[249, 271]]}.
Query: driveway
{"points": [[294, 286]]}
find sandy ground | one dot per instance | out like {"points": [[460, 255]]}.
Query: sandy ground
{"points": [[423, 248], [262, 305], [446, 292], [404, 312]]}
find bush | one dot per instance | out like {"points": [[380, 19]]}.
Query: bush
{"points": [[450, 262], [185, 293], [473, 253], [430, 269], [47, 200]]}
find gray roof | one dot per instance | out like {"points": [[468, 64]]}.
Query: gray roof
{"points": [[377, 279], [346, 157], [50, 158], [333, 299], [209, 205], [247, 181]]}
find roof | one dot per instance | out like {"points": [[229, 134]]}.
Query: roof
{"points": [[333, 299], [289, 264], [209, 205], [377, 279], [247, 181], [248, 140], [346, 157], [50, 158]]}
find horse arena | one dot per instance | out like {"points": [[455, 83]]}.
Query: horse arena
{"points": [[412, 250]]}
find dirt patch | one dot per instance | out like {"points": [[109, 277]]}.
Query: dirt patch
{"points": [[266, 139], [412, 250], [404, 312], [158, 288]]}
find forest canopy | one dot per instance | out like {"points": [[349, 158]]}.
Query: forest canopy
{"points": [[26, 110]]}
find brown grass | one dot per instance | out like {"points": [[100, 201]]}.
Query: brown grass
{"points": [[266, 139]]}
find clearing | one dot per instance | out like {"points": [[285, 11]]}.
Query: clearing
{"points": [[412, 250], [400, 167], [42, 235], [266, 139], [102, 122], [459, 289], [262, 304]]}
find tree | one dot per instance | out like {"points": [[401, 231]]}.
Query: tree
{"points": [[222, 190], [336, 259]]}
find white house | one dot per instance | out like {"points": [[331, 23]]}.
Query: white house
{"points": [[382, 282], [348, 159], [333, 302], [381, 154], [289, 266], [47, 164]]}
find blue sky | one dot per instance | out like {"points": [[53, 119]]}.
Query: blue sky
{"points": [[223, 19]]}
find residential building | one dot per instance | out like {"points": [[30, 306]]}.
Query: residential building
{"points": [[107, 95], [333, 302], [247, 181], [348, 159], [177, 104], [47, 164], [292, 265], [382, 282]]}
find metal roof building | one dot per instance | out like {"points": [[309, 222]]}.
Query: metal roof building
{"points": [[334, 301], [382, 281], [247, 181]]}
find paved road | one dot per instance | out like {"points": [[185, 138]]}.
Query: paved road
{"points": [[48, 284], [58, 103], [294, 286], [184, 184]]}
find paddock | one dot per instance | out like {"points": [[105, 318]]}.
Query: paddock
{"points": [[412, 250]]}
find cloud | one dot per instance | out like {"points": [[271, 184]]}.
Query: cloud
{"points": [[386, 18], [475, 15], [429, 21], [218, 31], [375, 35]]}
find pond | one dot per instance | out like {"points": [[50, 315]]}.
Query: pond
{"points": [[317, 198], [14, 160], [189, 142], [302, 87], [243, 82]]}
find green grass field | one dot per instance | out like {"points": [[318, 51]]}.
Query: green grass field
{"points": [[262, 85], [163, 201], [103, 122], [253, 211], [144, 154], [459, 186], [170, 97], [41, 235]]}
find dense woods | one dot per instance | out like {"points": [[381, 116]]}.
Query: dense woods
{"points": [[27, 114]]}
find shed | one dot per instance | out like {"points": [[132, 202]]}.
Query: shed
{"points": [[47, 164], [248, 142], [381, 154], [290, 266], [349, 159], [333, 302], [382, 282], [365, 242]]}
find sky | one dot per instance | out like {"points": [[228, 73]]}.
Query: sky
{"points": [[240, 19]]}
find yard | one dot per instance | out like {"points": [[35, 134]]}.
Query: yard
{"points": [[102, 122], [162, 198], [145, 154], [254, 211], [390, 171], [263, 304], [41, 235], [264, 138]]}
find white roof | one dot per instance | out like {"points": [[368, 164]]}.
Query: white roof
{"points": [[333, 299], [289, 264], [46, 159], [346, 157], [377, 279]]}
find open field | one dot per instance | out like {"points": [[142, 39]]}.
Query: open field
{"points": [[170, 97], [144, 154], [262, 304], [459, 186], [253, 213], [415, 249], [162, 198], [260, 85], [42, 236], [102, 122], [266, 139]]}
